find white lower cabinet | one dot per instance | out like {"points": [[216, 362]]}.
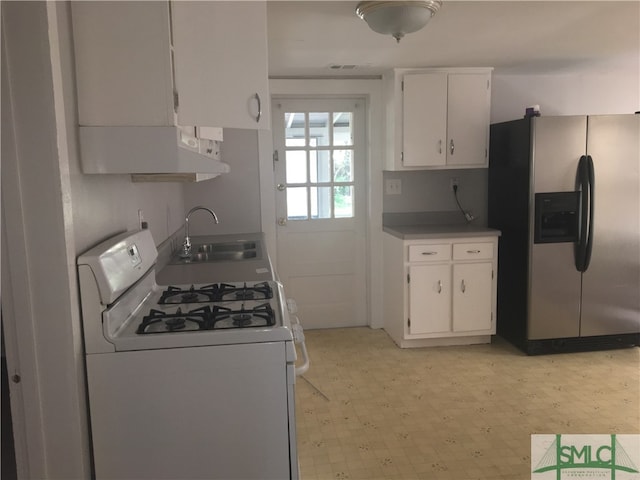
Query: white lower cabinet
{"points": [[440, 291], [471, 293], [429, 299]]}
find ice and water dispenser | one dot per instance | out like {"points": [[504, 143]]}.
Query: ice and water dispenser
{"points": [[556, 217]]}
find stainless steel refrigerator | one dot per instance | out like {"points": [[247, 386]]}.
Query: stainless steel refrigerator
{"points": [[564, 191]]}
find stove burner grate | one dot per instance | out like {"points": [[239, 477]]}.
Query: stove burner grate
{"points": [[257, 291], [260, 316], [222, 292], [176, 295], [163, 322]]}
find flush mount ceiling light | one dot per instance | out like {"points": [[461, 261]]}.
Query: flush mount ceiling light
{"points": [[397, 18]]}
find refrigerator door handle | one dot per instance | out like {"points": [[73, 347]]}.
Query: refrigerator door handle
{"points": [[590, 228], [586, 180], [581, 247]]}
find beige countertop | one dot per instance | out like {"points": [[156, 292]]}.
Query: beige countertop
{"points": [[256, 269], [417, 232]]}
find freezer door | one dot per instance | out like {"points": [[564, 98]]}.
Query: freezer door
{"points": [[554, 296], [611, 298]]}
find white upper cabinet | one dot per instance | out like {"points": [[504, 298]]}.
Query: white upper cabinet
{"points": [[221, 63], [424, 120], [123, 63], [468, 119], [438, 118], [152, 63]]}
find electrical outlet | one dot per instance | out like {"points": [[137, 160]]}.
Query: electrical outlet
{"points": [[141, 223], [393, 186], [453, 183]]}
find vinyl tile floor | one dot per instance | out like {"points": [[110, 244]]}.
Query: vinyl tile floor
{"points": [[367, 409]]}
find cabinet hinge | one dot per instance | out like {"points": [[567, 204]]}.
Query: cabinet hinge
{"points": [[176, 101], [408, 278]]}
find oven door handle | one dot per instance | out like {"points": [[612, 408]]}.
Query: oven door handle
{"points": [[298, 339]]}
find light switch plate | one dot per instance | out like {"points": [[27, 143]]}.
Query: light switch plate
{"points": [[393, 186]]}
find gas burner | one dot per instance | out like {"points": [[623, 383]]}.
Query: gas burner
{"points": [[176, 295], [258, 291], [241, 320], [177, 323], [259, 316], [163, 322]]}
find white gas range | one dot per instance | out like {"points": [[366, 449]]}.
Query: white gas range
{"points": [[185, 381]]}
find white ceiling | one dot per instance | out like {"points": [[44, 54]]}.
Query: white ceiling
{"points": [[307, 37]]}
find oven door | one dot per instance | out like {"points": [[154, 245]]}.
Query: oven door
{"points": [[216, 412]]}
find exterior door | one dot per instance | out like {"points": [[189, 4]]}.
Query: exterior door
{"points": [[321, 208], [610, 300]]}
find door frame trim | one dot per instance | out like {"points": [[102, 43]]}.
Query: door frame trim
{"points": [[370, 90]]}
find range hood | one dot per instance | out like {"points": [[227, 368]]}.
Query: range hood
{"points": [[155, 153]]}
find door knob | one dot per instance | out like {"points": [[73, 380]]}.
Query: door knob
{"points": [[281, 187], [282, 221]]}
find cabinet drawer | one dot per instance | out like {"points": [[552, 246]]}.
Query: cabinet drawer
{"points": [[429, 253], [472, 251]]}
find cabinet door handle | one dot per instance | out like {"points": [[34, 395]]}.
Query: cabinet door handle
{"points": [[473, 251], [463, 287], [257, 97], [439, 286], [451, 146], [429, 253], [440, 146]]}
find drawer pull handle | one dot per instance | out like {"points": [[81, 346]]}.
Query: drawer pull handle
{"points": [[439, 286], [463, 287], [429, 253], [473, 251]]}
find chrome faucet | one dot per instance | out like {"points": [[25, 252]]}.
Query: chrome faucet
{"points": [[186, 246]]}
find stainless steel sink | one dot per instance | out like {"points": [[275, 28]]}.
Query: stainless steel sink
{"points": [[224, 247], [219, 252]]}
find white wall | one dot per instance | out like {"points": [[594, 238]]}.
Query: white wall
{"points": [[430, 191], [586, 93], [235, 196]]}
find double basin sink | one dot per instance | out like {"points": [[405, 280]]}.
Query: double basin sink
{"points": [[220, 252]]}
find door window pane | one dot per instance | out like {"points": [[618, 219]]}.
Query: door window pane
{"points": [[296, 166], [297, 203], [294, 129], [343, 198], [320, 202], [343, 166], [342, 128], [320, 166], [319, 128]]}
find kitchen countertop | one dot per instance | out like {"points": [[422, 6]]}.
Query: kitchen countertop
{"points": [[417, 232], [256, 269]]}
